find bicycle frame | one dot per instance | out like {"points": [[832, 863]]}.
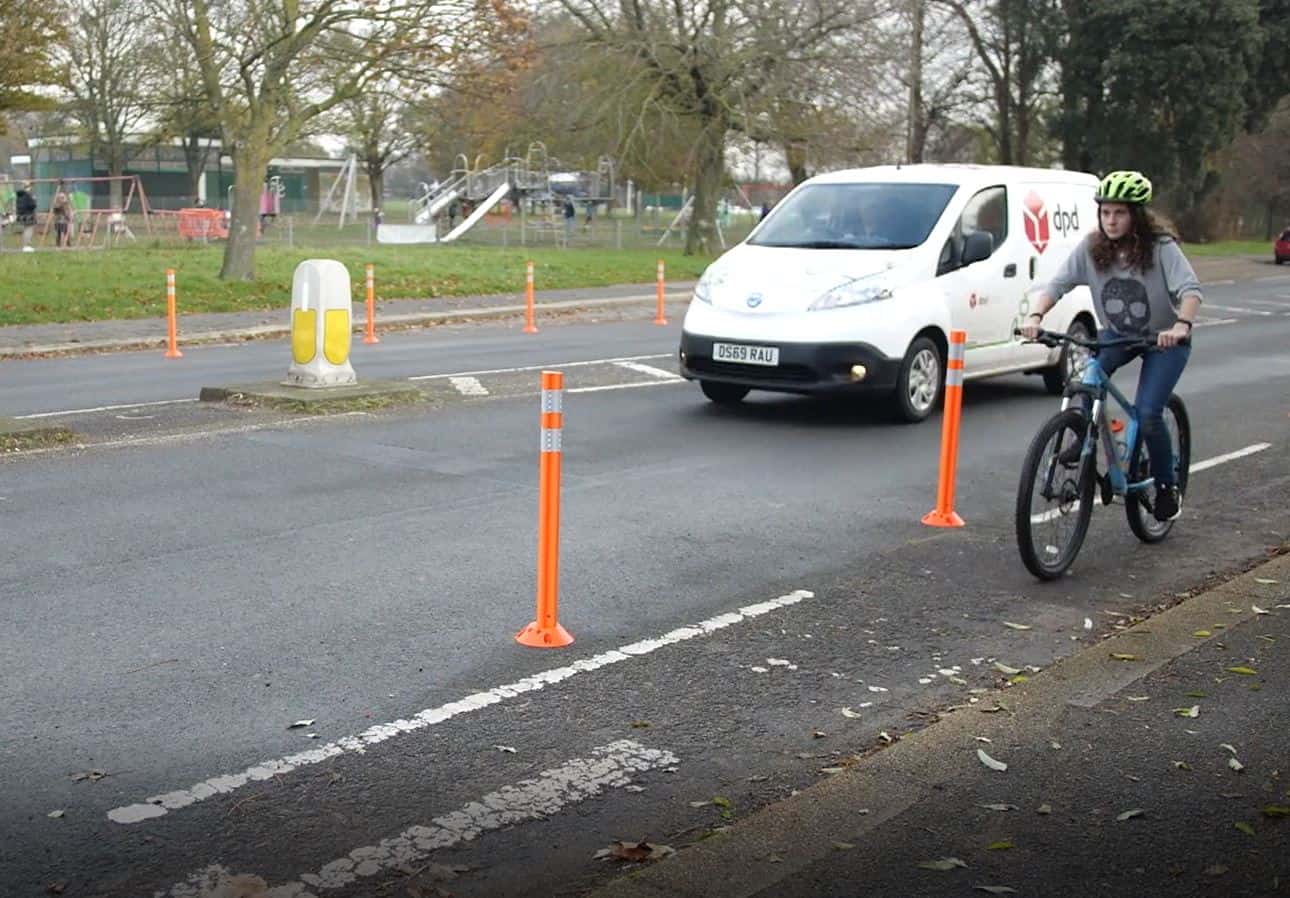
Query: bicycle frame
{"points": [[1098, 385]]}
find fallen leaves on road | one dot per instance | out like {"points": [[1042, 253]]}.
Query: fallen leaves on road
{"points": [[1243, 671], [92, 775], [1265, 581], [990, 762], [943, 864], [1216, 870], [1011, 626], [1228, 746], [1088, 623], [999, 806], [1137, 698], [640, 724], [847, 712], [996, 890], [1044, 809], [1276, 810], [1002, 845], [1244, 827], [300, 723], [56, 814], [1005, 669], [57, 887], [1235, 764], [507, 749], [1124, 656], [1257, 610], [1130, 814], [1193, 711], [634, 852], [1202, 634]]}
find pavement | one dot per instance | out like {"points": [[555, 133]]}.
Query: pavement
{"points": [[1153, 763], [28, 340]]}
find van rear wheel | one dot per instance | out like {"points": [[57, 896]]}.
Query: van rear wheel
{"points": [[920, 382], [723, 394]]}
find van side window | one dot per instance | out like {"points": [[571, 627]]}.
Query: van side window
{"points": [[986, 211]]}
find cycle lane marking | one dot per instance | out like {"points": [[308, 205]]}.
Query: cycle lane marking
{"points": [[160, 805], [547, 793]]}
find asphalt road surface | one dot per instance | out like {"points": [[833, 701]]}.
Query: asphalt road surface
{"points": [[180, 592]]}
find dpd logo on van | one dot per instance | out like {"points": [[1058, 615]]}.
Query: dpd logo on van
{"points": [[1035, 214]]}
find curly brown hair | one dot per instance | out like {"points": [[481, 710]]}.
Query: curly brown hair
{"points": [[1146, 227]]}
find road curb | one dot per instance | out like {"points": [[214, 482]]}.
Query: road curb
{"points": [[383, 323], [802, 829]]}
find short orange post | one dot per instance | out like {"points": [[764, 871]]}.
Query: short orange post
{"points": [[545, 632], [172, 318], [944, 515], [659, 316], [369, 336], [530, 326]]}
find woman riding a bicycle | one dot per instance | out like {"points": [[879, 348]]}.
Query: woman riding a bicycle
{"points": [[1141, 283]]}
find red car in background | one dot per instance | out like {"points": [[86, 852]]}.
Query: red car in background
{"points": [[1281, 249]]}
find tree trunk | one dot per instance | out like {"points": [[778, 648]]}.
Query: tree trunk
{"points": [[250, 169], [917, 133], [376, 183], [709, 167], [116, 168], [195, 163], [795, 156]]}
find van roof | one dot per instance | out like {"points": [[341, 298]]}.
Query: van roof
{"points": [[963, 175]]}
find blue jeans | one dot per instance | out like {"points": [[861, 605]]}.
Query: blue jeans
{"points": [[1160, 372]]}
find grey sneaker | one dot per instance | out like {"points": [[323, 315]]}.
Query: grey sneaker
{"points": [[1168, 504]]}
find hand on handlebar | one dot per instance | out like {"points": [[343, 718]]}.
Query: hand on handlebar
{"points": [[1175, 336], [1030, 327]]}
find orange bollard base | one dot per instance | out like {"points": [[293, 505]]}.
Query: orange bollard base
{"points": [[659, 319], [174, 354], [936, 518], [371, 338], [536, 637]]}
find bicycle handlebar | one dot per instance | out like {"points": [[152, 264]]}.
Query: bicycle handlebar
{"points": [[1054, 338]]}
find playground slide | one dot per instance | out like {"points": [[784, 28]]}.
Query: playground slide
{"points": [[480, 211], [437, 205]]}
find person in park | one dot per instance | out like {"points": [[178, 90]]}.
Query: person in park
{"points": [[1142, 284], [24, 207], [570, 213], [62, 209]]}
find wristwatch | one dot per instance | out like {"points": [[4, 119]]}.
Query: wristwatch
{"points": [[1189, 324]]}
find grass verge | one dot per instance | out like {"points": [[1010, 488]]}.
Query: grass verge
{"points": [[48, 287]]}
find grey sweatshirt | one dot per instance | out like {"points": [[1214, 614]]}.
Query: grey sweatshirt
{"points": [[1126, 300]]}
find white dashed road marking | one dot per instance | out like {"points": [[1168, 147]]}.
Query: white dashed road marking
{"points": [[103, 408], [648, 383], [548, 793], [1210, 305], [159, 805], [650, 370], [1194, 469], [626, 358], [468, 386]]}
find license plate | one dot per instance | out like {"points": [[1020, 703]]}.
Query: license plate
{"points": [[745, 355]]}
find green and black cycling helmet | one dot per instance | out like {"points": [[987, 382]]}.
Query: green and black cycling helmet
{"points": [[1130, 187]]}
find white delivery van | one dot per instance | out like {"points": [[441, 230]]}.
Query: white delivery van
{"points": [[854, 281]]}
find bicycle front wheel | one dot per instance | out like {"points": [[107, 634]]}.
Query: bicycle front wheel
{"points": [[1055, 496], [1137, 505]]}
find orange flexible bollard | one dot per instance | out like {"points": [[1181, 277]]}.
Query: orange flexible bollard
{"points": [[944, 515], [530, 326], [369, 335], [659, 317], [545, 632], [172, 318]]}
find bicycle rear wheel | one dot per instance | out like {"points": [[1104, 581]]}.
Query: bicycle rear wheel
{"points": [[1054, 500], [1137, 505]]}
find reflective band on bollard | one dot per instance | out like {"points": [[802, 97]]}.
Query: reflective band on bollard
{"points": [[944, 515], [369, 335], [545, 631]]}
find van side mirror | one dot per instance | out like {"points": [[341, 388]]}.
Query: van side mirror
{"points": [[979, 245]]}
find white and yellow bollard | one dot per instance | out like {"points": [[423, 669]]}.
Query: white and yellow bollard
{"points": [[320, 325]]}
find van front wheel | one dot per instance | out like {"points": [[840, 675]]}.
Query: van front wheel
{"points": [[723, 394], [920, 382]]}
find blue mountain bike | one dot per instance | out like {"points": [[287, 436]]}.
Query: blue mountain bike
{"points": [[1061, 477]]}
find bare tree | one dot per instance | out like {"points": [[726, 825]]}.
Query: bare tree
{"points": [[106, 74], [374, 125], [1014, 41], [713, 62], [271, 68], [28, 33]]}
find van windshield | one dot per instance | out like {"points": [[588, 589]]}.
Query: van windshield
{"points": [[856, 216]]}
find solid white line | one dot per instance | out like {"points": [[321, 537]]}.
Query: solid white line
{"points": [[1275, 277], [650, 383], [1210, 305], [102, 408], [1196, 468], [1230, 456], [548, 793], [650, 370], [626, 358], [1225, 283], [1212, 322], [468, 386], [158, 805]]}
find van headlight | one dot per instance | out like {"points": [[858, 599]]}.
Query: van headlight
{"points": [[853, 293], [707, 284]]}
